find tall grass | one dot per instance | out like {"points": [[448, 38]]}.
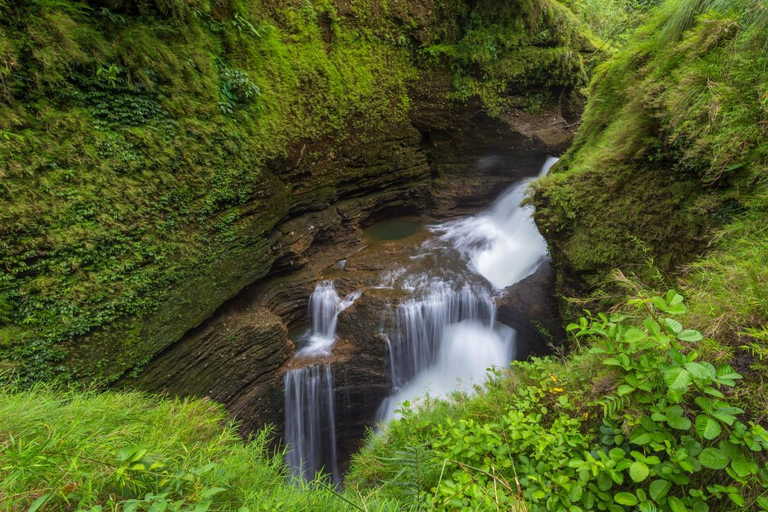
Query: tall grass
{"points": [[74, 450]]}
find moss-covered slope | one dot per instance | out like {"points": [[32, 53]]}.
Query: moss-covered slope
{"points": [[671, 158], [148, 149]]}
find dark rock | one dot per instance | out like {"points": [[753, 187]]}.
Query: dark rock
{"points": [[531, 308]]}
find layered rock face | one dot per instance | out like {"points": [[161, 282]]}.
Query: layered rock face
{"points": [[450, 160]]}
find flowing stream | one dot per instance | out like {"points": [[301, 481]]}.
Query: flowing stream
{"points": [[310, 419], [444, 334]]}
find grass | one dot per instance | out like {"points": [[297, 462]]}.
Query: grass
{"points": [[80, 450]]}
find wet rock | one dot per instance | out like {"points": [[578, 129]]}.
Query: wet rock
{"points": [[361, 379], [223, 334], [531, 308], [232, 360]]}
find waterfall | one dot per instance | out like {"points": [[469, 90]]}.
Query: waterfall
{"points": [[447, 336], [502, 244], [421, 323], [310, 423], [324, 308]]}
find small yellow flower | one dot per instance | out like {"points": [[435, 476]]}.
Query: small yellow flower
{"points": [[554, 379], [557, 390], [586, 415]]}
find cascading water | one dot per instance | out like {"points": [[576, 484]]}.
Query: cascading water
{"points": [[447, 336], [503, 244], [310, 423]]}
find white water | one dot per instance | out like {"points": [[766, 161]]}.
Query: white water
{"points": [[446, 337], [502, 244], [467, 350], [324, 308], [310, 423], [310, 420]]}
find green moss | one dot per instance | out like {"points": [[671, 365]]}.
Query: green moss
{"points": [[671, 134], [136, 138], [666, 179]]}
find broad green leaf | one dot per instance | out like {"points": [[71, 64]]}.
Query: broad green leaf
{"points": [[677, 309], [575, 493], [713, 458], [640, 436], [634, 334], [674, 298], [737, 498], [625, 389], [677, 378], [625, 498], [660, 303], [673, 325], [638, 471], [698, 370], [659, 488], [744, 467], [689, 335], [679, 422], [707, 427], [700, 506], [676, 505], [725, 371]]}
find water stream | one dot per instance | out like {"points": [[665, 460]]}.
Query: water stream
{"points": [[444, 334], [310, 418]]}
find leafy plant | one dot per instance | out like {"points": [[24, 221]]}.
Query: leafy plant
{"points": [[638, 420]]}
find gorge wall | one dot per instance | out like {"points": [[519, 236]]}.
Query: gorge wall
{"points": [[160, 157], [177, 175]]}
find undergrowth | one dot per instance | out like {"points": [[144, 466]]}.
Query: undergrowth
{"points": [[634, 419]]}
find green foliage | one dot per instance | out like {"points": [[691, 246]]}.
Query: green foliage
{"points": [[636, 420], [674, 120], [75, 450], [138, 142]]}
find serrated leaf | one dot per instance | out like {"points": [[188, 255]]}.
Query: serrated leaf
{"points": [[652, 326], [659, 488], [625, 498], [640, 436], [575, 493], [707, 427], [625, 389], [744, 467], [633, 334], [660, 303], [679, 422], [725, 371], [713, 458], [673, 325], [638, 471], [697, 370], [677, 309], [674, 298]]}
